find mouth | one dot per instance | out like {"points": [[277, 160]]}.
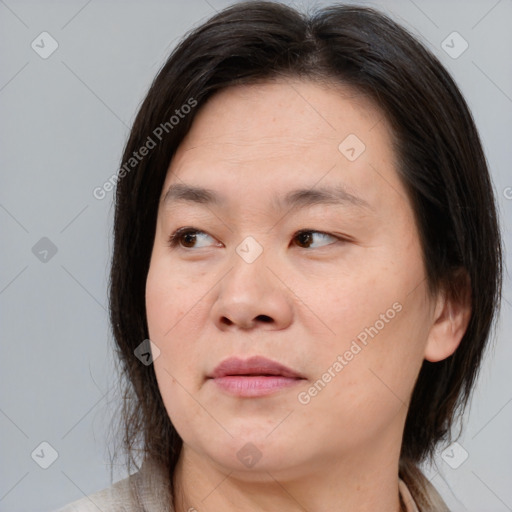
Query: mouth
{"points": [[253, 377]]}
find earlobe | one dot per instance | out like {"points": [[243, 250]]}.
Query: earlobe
{"points": [[450, 321]]}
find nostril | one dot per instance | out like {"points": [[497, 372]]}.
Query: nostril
{"points": [[262, 318]]}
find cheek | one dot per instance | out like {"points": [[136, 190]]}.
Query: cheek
{"points": [[380, 376], [372, 389], [166, 297], [378, 324], [175, 310], [164, 310]]}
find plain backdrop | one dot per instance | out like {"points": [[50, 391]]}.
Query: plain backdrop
{"points": [[64, 120]]}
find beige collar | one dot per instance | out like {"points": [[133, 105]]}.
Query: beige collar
{"points": [[150, 479], [410, 505]]}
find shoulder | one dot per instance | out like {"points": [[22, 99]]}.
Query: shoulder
{"points": [[416, 491], [116, 498], [147, 490]]}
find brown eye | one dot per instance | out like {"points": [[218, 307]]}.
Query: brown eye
{"points": [[307, 238], [187, 238]]}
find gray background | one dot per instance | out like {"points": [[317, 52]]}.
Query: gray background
{"points": [[64, 120]]}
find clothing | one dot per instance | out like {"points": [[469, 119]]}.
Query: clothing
{"points": [[151, 486], [406, 498]]}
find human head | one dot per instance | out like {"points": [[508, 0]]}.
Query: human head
{"points": [[439, 159]]}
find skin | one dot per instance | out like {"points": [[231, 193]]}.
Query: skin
{"points": [[340, 451]]}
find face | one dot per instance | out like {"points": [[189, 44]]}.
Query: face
{"points": [[287, 296]]}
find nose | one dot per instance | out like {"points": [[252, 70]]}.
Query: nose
{"points": [[251, 296]]}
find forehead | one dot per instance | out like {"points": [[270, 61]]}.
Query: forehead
{"points": [[283, 111], [277, 135]]}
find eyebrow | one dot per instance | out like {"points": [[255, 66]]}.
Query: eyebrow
{"points": [[295, 199]]}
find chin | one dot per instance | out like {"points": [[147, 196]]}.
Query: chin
{"points": [[252, 457]]}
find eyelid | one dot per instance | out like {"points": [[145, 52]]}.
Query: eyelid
{"points": [[305, 230]]}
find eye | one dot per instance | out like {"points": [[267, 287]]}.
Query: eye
{"points": [[191, 238], [306, 238], [188, 237]]}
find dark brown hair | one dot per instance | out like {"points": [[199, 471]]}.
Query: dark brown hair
{"points": [[441, 164]]}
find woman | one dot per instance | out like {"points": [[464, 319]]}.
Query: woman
{"points": [[306, 231]]}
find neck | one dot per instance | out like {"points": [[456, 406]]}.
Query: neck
{"points": [[359, 483]]}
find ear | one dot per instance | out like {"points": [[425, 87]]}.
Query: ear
{"points": [[451, 318]]}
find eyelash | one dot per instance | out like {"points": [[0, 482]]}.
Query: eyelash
{"points": [[174, 239]]}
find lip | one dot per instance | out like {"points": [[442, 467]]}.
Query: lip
{"points": [[253, 377]]}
